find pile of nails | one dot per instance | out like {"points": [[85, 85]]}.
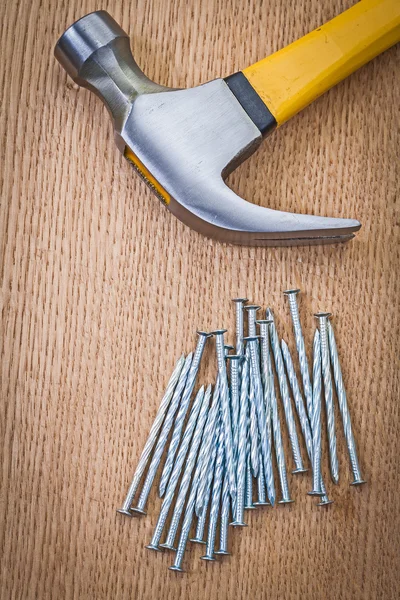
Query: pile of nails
{"points": [[232, 431]]}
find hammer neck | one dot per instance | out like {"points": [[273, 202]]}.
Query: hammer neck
{"points": [[113, 75]]}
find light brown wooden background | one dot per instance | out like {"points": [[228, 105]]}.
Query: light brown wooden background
{"points": [[102, 289]]}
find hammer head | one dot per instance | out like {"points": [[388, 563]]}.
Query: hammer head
{"points": [[184, 143]]}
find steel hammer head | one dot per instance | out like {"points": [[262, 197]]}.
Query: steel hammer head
{"points": [[184, 143]]}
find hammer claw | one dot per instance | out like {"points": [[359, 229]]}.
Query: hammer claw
{"points": [[225, 216]]}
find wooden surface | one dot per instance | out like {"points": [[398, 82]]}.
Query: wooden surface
{"points": [[102, 289]]}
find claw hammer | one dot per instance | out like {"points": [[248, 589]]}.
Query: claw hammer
{"points": [[184, 143]]}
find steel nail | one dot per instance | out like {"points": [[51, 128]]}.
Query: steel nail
{"points": [[344, 409], [301, 349], [328, 391], [242, 444], [180, 418], [224, 523], [234, 361], [151, 440], [253, 431], [301, 411], [189, 513], [255, 451], [225, 410], [251, 318], [266, 383], [176, 471], [205, 454], [316, 417], [215, 498], [265, 441], [187, 523], [162, 440], [239, 305], [297, 397], [187, 474], [284, 390], [261, 488], [249, 484], [276, 424], [201, 523]]}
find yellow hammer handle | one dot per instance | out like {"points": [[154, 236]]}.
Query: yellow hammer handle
{"points": [[293, 77]]}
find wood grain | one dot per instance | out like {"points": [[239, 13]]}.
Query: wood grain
{"points": [[102, 289]]}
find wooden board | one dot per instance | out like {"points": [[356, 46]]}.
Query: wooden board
{"points": [[102, 289]]}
